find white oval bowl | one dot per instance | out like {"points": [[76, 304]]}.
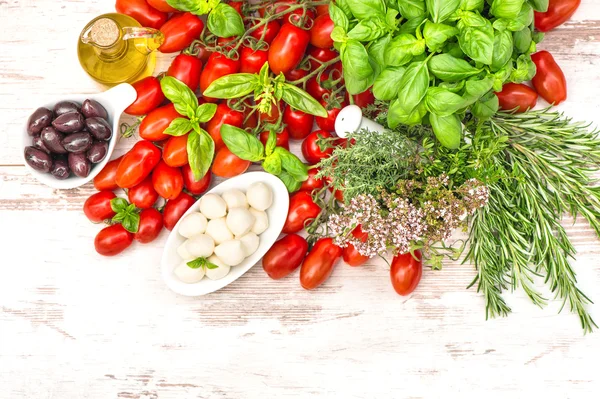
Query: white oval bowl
{"points": [[277, 215], [115, 100]]}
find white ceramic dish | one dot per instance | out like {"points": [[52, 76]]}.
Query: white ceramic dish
{"points": [[277, 214], [115, 101]]}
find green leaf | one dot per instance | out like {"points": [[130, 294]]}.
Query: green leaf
{"points": [[205, 112], [368, 30], [451, 69], [118, 204], [475, 89], [471, 5], [292, 164], [506, 8], [411, 25], [355, 60], [486, 107], [411, 8], [201, 151], [377, 50], [272, 164], [443, 102], [522, 40], [413, 85], [387, 84], [447, 129], [233, 86], [539, 5], [402, 48], [338, 35], [397, 115], [338, 17], [179, 127], [202, 263], [503, 48], [440, 10], [476, 37], [271, 142], [291, 184], [525, 69], [242, 143], [301, 100], [436, 35], [131, 222], [364, 9], [182, 97], [197, 7], [225, 21]]}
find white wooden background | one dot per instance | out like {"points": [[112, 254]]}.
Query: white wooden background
{"points": [[76, 325]]}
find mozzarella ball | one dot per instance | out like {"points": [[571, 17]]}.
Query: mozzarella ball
{"points": [[260, 196], [221, 271], [213, 206], [188, 275], [240, 221], [218, 230], [261, 222], [231, 252], [184, 253], [235, 199], [201, 246], [192, 225], [250, 243]]}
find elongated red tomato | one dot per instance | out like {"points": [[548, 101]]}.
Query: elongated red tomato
{"points": [[517, 96], [283, 139], [175, 151], [149, 96], [319, 263], [302, 208], [559, 12], [180, 31], [311, 150], [406, 272], [328, 124], [186, 69], [227, 164], [312, 183], [320, 33], [151, 223], [106, 180], [143, 195], [285, 256], [195, 187], [549, 80], [175, 208], [142, 12], [299, 124], [156, 122], [216, 67], [287, 49], [137, 164], [112, 240], [97, 208], [252, 60], [167, 181], [267, 32], [223, 116], [350, 254]]}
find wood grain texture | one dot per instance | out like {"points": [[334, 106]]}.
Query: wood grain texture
{"points": [[75, 325]]}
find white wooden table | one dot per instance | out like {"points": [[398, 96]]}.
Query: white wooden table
{"points": [[76, 325]]}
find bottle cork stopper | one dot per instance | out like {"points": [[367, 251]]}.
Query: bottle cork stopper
{"points": [[105, 32]]}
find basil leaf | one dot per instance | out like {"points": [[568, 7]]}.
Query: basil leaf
{"points": [[364, 9], [411, 25], [210, 265], [502, 76], [233, 86], [201, 151], [338, 17], [387, 84], [476, 37], [225, 21], [402, 48], [486, 107], [182, 97], [522, 21], [447, 129], [197, 7], [355, 60], [440, 10], [411, 8], [197, 263], [522, 40], [357, 85], [503, 49], [272, 164], [506, 8], [471, 5], [413, 85], [443, 102], [291, 184], [451, 69], [271, 142], [343, 5], [131, 222], [118, 204], [454, 87], [338, 35], [524, 71], [398, 115], [437, 34], [242, 143], [179, 127], [205, 112], [377, 50], [292, 164], [454, 50], [301, 100], [475, 89], [367, 30], [539, 5]]}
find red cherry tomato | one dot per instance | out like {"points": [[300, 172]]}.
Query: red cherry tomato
{"points": [[319, 263], [227, 164], [156, 122], [252, 60], [287, 49], [238, 6], [549, 80], [295, 74], [141, 11], [559, 12], [320, 33], [143, 195], [175, 208], [322, 55], [272, 116], [302, 208], [97, 208], [299, 124], [195, 187], [175, 151], [223, 116], [323, 9], [285, 256], [149, 96], [106, 180], [270, 30], [112, 240], [328, 124], [226, 42], [312, 183], [151, 223], [310, 148], [363, 99], [318, 89], [216, 67], [162, 5], [350, 255], [180, 31], [137, 164], [186, 69], [406, 272], [517, 96], [283, 139], [167, 181], [281, 7]]}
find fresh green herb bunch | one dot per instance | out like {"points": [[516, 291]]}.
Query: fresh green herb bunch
{"points": [[434, 60]]}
